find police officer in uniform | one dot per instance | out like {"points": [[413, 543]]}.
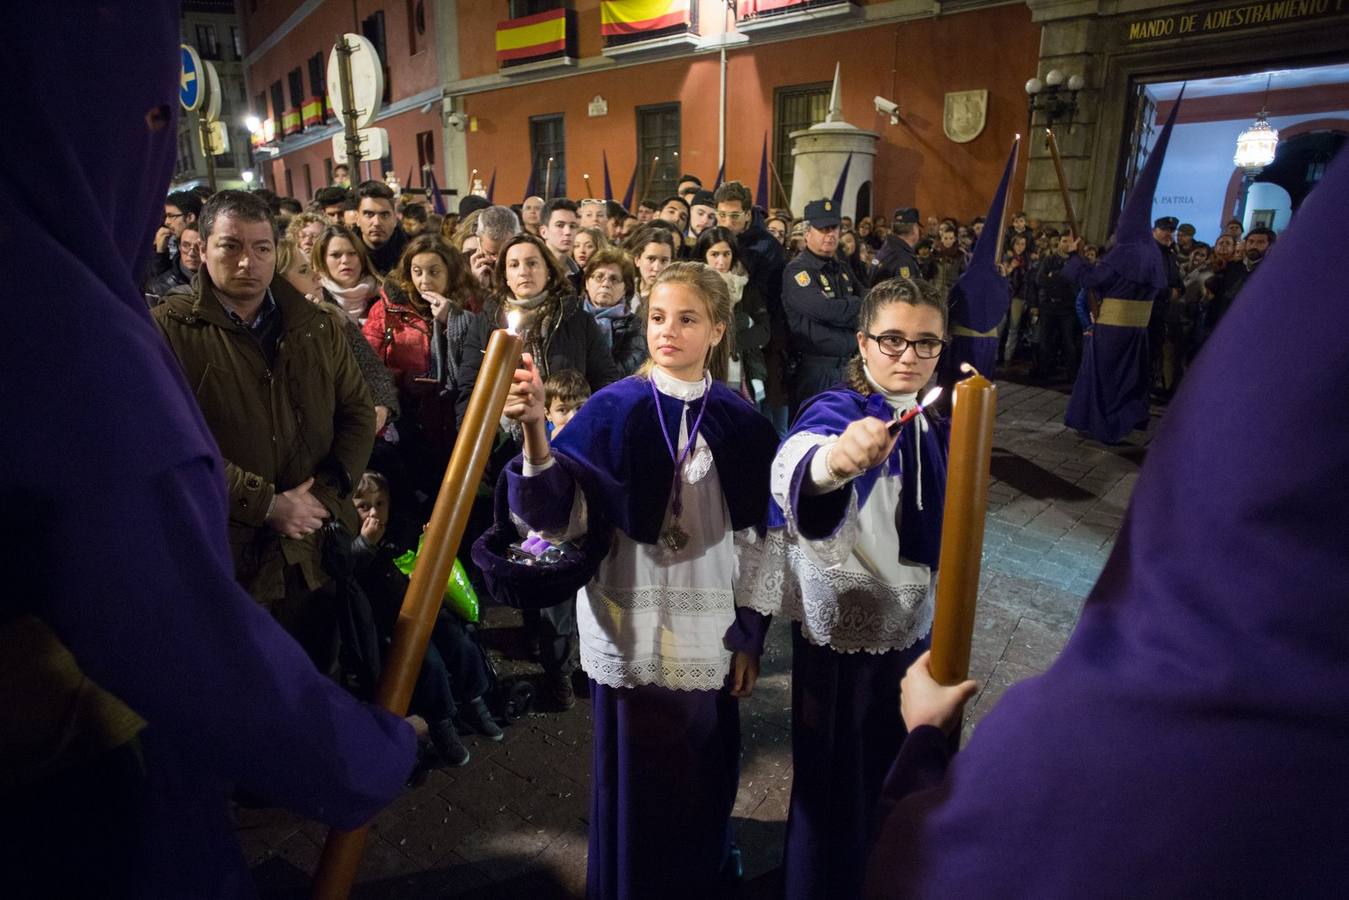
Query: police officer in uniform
{"points": [[897, 257], [821, 300]]}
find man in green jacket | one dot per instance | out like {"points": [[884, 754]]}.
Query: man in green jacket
{"points": [[283, 396]]}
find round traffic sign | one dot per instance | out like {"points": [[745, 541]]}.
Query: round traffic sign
{"points": [[367, 81], [191, 88], [210, 109]]}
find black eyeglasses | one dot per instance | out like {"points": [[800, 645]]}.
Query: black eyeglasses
{"points": [[893, 345]]}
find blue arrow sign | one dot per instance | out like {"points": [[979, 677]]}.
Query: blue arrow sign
{"points": [[190, 85]]}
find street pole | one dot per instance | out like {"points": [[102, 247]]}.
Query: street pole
{"points": [[204, 132], [349, 112]]}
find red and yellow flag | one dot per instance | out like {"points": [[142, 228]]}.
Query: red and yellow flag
{"points": [[618, 17], [531, 36]]}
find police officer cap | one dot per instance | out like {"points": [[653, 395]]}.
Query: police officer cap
{"points": [[703, 198], [822, 213], [906, 215], [1166, 223]]}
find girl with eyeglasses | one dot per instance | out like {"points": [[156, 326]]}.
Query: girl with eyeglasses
{"points": [[850, 559]]}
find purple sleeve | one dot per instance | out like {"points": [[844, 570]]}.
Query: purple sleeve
{"points": [[542, 500], [149, 605], [748, 631], [818, 516], [920, 765]]}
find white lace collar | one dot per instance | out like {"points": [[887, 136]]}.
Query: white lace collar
{"points": [[898, 402], [667, 384]]}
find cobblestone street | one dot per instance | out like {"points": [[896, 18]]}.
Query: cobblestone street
{"points": [[512, 823]]}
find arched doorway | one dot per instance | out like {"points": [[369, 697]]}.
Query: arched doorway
{"points": [[863, 207], [1305, 150]]}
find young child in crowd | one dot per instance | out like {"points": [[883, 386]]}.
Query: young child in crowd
{"points": [[564, 393], [454, 667], [667, 473], [553, 629]]}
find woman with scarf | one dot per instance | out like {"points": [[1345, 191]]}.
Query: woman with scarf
{"points": [[610, 280], [850, 558], [948, 260], [417, 327], [747, 372], [344, 270]]}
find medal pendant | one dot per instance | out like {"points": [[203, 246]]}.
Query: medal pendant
{"points": [[674, 537]]}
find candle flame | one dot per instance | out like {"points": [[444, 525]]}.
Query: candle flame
{"points": [[931, 397], [968, 369], [512, 321]]}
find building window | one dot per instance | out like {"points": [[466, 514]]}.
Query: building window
{"points": [[237, 39], [206, 42], [426, 150], [296, 88], [658, 150], [419, 17], [521, 8], [290, 187], [278, 104], [373, 28], [794, 108], [546, 136], [415, 13], [327, 170], [308, 183]]}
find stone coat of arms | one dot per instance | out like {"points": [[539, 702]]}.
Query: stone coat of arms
{"points": [[965, 115]]}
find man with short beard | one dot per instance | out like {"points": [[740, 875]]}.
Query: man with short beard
{"points": [[378, 225], [702, 212], [1228, 283]]}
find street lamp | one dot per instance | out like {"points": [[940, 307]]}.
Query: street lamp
{"points": [[253, 124], [247, 176], [1256, 147], [1056, 97]]}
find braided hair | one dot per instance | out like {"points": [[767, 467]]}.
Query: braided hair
{"points": [[912, 291]]}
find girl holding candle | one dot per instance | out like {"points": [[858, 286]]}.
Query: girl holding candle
{"points": [[850, 557], [669, 468]]}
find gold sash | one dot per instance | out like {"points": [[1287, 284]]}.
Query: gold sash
{"points": [[1124, 313], [962, 331]]}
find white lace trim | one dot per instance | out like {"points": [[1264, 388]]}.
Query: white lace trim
{"points": [[846, 610], [828, 552], [686, 600], [679, 675]]}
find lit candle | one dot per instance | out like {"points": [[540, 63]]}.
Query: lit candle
{"points": [[973, 406], [928, 399], [548, 180], [342, 852], [587, 181]]}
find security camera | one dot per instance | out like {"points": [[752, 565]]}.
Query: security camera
{"points": [[426, 107], [888, 108], [457, 120]]}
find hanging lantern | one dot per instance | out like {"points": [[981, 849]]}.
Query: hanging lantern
{"points": [[1256, 145]]}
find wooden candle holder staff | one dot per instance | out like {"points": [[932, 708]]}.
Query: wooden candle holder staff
{"points": [[342, 851], [1063, 183], [973, 406]]}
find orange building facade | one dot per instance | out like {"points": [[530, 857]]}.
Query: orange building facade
{"points": [[473, 88]]}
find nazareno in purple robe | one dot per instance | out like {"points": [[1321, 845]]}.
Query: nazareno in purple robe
{"points": [[1110, 395], [122, 488], [1191, 739], [846, 727], [666, 762], [979, 298]]}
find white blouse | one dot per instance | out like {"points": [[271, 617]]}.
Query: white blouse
{"points": [[851, 591], [656, 616]]}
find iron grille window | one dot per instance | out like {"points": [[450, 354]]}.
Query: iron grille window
{"points": [[658, 150], [296, 88], [426, 150], [373, 28], [521, 8], [794, 108], [547, 138], [237, 40], [318, 77], [206, 42], [278, 104]]}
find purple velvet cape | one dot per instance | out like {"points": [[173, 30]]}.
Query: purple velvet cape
{"points": [[618, 454], [830, 413], [106, 449], [1191, 739]]}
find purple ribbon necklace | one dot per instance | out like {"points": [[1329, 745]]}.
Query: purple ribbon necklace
{"points": [[674, 537]]}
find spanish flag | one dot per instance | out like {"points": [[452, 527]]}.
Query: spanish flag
{"points": [[621, 17], [532, 36]]}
